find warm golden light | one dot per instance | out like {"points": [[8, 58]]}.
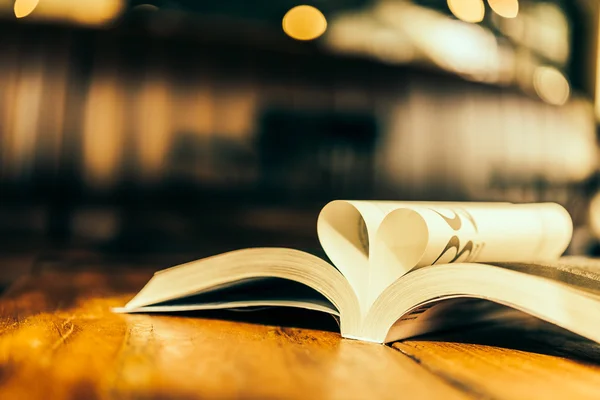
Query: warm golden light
{"points": [[505, 8], [24, 7], [304, 23], [467, 10], [551, 85], [96, 12], [597, 91], [85, 12], [103, 130], [594, 215]]}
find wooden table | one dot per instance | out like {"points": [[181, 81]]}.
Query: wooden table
{"points": [[59, 340]]}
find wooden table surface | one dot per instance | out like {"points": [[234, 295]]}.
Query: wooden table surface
{"points": [[59, 340]]}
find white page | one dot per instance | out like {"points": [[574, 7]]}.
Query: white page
{"points": [[314, 305], [347, 228], [374, 243]]}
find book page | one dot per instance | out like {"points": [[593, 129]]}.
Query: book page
{"points": [[580, 272], [246, 294], [431, 235], [251, 278], [375, 243], [530, 288], [450, 313], [347, 228]]}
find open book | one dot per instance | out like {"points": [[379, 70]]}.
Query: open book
{"points": [[403, 269]]}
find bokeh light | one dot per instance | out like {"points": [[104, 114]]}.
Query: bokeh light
{"points": [[505, 8], [88, 12], [467, 10], [551, 85], [304, 23], [24, 7]]}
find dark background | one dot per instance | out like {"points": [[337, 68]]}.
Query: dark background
{"points": [[171, 130]]}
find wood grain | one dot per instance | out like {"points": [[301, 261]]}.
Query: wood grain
{"points": [[529, 359], [59, 340]]}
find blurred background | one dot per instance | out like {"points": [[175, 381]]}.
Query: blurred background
{"points": [[166, 130]]}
